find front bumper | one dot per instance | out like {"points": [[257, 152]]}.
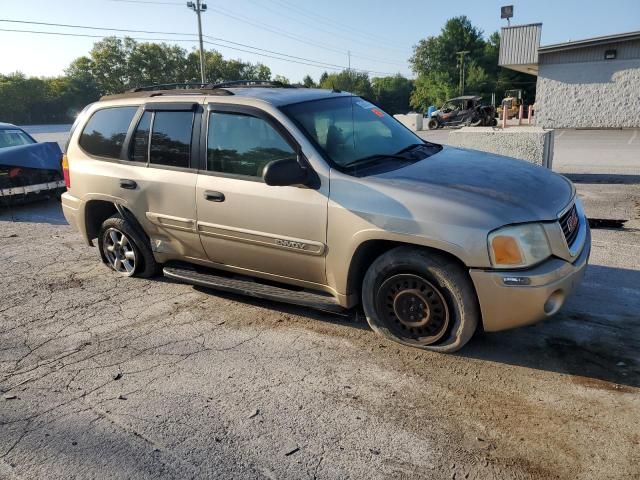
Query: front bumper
{"points": [[509, 306]]}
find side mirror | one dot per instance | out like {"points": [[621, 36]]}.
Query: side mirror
{"points": [[285, 172]]}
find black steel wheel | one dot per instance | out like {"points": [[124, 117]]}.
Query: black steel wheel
{"points": [[413, 308], [422, 298]]}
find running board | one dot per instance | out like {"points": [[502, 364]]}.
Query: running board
{"points": [[255, 289]]}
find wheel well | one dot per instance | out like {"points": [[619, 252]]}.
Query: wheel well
{"points": [[368, 251], [96, 212]]}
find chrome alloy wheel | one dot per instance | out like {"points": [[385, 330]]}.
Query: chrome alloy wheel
{"points": [[414, 309], [119, 252]]}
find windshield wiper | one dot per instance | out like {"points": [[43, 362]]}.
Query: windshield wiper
{"points": [[375, 158], [413, 146]]}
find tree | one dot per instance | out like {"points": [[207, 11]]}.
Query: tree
{"points": [[308, 82], [357, 83], [435, 63], [440, 53], [392, 93], [282, 79], [431, 89]]}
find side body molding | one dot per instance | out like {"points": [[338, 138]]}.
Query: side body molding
{"points": [[298, 245]]}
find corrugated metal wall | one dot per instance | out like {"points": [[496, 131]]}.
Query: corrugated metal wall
{"points": [[625, 51], [519, 44]]}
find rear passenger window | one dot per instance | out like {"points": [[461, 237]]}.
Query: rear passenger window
{"points": [[242, 145], [171, 139], [170, 135], [139, 147], [106, 130]]}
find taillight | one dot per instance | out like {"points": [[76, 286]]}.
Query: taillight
{"points": [[65, 171]]}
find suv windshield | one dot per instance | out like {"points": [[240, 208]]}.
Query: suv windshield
{"points": [[351, 131]]}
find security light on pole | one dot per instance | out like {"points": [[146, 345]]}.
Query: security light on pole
{"points": [[507, 12], [199, 7]]}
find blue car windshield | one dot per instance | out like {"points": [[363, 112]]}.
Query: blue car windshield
{"points": [[349, 130]]}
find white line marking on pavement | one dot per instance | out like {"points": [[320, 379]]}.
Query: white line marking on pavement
{"points": [[561, 133], [633, 137]]}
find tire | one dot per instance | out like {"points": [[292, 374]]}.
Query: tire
{"points": [[432, 124], [493, 122], [133, 256], [475, 122], [419, 275]]}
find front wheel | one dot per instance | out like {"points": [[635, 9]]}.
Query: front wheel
{"points": [[432, 124], [421, 299]]}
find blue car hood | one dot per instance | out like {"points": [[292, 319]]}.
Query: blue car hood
{"points": [[45, 156]]}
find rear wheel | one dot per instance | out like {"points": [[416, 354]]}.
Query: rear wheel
{"points": [[422, 299], [124, 250]]}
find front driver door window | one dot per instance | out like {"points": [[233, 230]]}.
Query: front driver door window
{"points": [[243, 222], [240, 144]]}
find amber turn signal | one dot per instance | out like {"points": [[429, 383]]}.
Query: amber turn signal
{"points": [[506, 250]]}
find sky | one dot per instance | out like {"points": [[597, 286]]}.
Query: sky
{"points": [[379, 34]]}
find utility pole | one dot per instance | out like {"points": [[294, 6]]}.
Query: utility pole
{"points": [[462, 55], [198, 6]]}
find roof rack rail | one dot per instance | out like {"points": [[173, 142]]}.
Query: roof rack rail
{"points": [[171, 86], [211, 86]]}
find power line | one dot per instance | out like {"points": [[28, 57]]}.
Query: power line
{"points": [[366, 42], [156, 32], [271, 29], [330, 22], [308, 62]]}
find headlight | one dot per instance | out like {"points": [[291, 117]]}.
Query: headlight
{"points": [[518, 246]]}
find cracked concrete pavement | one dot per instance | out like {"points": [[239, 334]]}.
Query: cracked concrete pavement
{"points": [[111, 377]]}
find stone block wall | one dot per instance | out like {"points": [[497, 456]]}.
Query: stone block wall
{"points": [[604, 94], [532, 144]]}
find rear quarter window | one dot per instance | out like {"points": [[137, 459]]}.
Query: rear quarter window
{"points": [[106, 130]]}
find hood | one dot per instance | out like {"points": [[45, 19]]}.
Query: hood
{"points": [[514, 191]]}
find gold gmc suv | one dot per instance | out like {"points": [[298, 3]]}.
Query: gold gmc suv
{"points": [[321, 199]]}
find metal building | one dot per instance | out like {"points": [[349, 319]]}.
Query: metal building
{"points": [[591, 83]]}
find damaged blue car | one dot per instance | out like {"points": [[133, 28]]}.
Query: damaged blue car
{"points": [[28, 169]]}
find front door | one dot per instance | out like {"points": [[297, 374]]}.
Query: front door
{"points": [[246, 224]]}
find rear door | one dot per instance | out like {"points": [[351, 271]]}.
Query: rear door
{"points": [[141, 157], [245, 223], [166, 139]]}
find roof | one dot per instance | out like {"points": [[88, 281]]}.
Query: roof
{"points": [[272, 93], [4, 126], [466, 97], [589, 42]]}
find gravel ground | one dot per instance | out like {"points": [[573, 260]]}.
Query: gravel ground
{"points": [[111, 377]]}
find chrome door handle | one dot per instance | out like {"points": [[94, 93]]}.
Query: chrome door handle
{"points": [[214, 196]]}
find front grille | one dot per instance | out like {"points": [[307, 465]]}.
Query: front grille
{"points": [[569, 219]]}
